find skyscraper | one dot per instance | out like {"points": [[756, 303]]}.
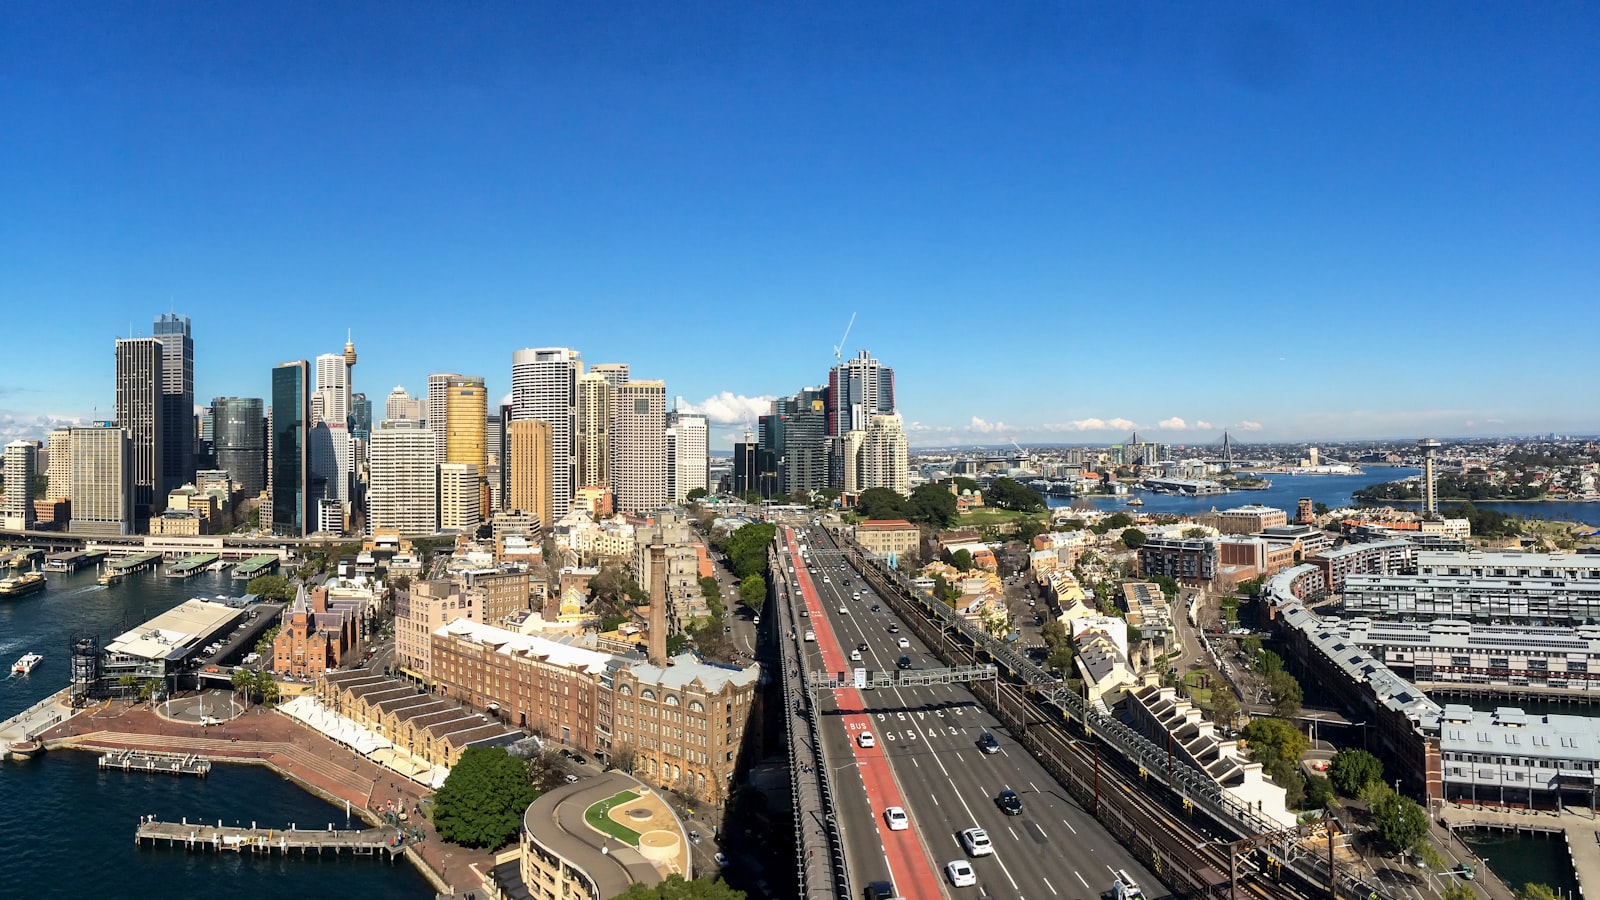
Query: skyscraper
{"points": [[615, 374], [544, 386], [531, 469], [177, 403], [434, 410], [16, 506], [333, 386], [794, 450], [141, 412], [746, 471], [594, 430], [404, 479], [638, 446], [402, 405], [240, 428], [688, 453], [858, 389], [466, 416], [884, 456], [458, 497], [291, 464], [102, 480], [59, 481]]}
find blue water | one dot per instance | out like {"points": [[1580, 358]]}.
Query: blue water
{"points": [[1333, 490], [68, 827]]}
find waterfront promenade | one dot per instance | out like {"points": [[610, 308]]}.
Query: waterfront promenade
{"points": [[263, 737], [1581, 827]]}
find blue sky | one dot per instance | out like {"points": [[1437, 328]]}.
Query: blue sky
{"points": [[1055, 220]]}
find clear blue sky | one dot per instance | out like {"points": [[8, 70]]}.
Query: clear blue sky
{"points": [[1055, 220]]}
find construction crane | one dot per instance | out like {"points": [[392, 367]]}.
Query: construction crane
{"points": [[1027, 458], [838, 349]]}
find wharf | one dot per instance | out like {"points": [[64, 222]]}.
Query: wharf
{"points": [[138, 562], [156, 763], [190, 566], [34, 721], [73, 561], [20, 557], [1581, 827], [255, 565], [219, 837]]}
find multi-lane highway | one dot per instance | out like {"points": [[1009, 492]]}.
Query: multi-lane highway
{"points": [[927, 740]]}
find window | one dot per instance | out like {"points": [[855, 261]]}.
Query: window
{"points": [[647, 694]]}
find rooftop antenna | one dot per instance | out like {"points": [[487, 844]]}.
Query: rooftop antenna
{"points": [[839, 347]]}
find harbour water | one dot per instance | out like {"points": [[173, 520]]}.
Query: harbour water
{"points": [[69, 826], [1525, 858], [1333, 490]]}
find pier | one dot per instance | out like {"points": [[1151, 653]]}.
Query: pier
{"points": [[254, 566], [1581, 827], [73, 561], [20, 558], [138, 562], [156, 763], [190, 566], [219, 837]]}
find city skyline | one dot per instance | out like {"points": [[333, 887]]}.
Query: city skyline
{"points": [[1057, 227]]}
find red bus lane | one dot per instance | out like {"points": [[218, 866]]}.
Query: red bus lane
{"points": [[913, 873]]}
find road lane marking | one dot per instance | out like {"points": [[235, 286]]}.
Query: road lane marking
{"points": [[1080, 878], [1049, 885], [1069, 826]]}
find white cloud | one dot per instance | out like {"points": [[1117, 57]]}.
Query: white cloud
{"points": [[728, 408], [1173, 424], [1202, 425], [982, 427], [1248, 425], [1091, 424]]}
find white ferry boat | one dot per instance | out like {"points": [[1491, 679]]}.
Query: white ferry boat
{"points": [[25, 665]]}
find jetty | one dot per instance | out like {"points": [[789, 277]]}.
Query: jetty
{"points": [[195, 836], [73, 561], [156, 763], [138, 562], [190, 566], [20, 557], [255, 565]]}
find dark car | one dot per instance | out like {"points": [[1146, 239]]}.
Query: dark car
{"points": [[988, 744], [876, 607], [905, 662], [1009, 803], [879, 890], [862, 646], [578, 758], [893, 628]]}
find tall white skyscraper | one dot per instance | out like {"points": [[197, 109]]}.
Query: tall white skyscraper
{"points": [[59, 475], [884, 456], [639, 446], [544, 386], [403, 481], [402, 405], [437, 411], [333, 386], [615, 374], [102, 480], [16, 507], [458, 498], [688, 451]]}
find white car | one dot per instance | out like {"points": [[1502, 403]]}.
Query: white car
{"points": [[904, 644], [897, 819], [866, 739], [960, 873], [976, 840], [811, 635], [855, 656], [844, 611]]}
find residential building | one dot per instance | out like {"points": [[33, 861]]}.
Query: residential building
{"points": [[615, 374], [504, 593], [1379, 558], [688, 453], [458, 498], [141, 413], [849, 459], [532, 478], [681, 724], [177, 402], [421, 611], [544, 385], [239, 429], [102, 480], [403, 480], [58, 484], [858, 389], [592, 420], [1505, 587], [1185, 560], [1512, 758], [638, 463], [889, 537], [1481, 655], [884, 456], [402, 405], [547, 686], [1250, 519], [16, 506], [291, 462]]}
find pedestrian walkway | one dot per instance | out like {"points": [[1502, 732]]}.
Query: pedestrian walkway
{"points": [[1580, 825]]}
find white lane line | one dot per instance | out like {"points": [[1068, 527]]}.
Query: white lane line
{"points": [[934, 798], [1049, 885], [1069, 826], [1080, 878], [1013, 833], [1034, 786], [1042, 832]]}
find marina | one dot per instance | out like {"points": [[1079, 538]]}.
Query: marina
{"points": [[190, 566], [255, 566], [156, 763]]}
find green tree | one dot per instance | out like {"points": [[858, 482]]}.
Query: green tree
{"points": [[264, 646], [482, 800], [962, 559], [1457, 890], [1132, 538], [1533, 891], [882, 503], [1401, 822], [1169, 586], [963, 483], [266, 688], [677, 643], [1224, 706], [1008, 493], [1353, 770], [1277, 745], [1116, 520], [933, 504], [1268, 663], [712, 591], [271, 587], [944, 591], [696, 494], [747, 547], [1025, 530], [675, 888], [1286, 694], [753, 592], [824, 498], [1318, 793]]}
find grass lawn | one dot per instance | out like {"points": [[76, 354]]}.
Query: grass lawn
{"points": [[977, 518], [1198, 694], [596, 815]]}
